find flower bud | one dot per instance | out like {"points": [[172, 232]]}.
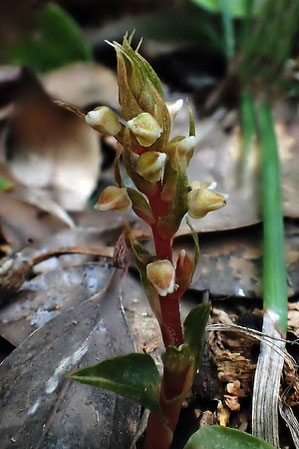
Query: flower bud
{"points": [[104, 120], [202, 201], [161, 275], [114, 198], [150, 165], [180, 150], [145, 128], [174, 107]]}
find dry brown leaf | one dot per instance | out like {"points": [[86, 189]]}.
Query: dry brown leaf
{"points": [[47, 147], [83, 84]]}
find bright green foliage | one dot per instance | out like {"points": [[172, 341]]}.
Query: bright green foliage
{"points": [[56, 40], [238, 8], [220, 437], [194, 326], [134, 376]]}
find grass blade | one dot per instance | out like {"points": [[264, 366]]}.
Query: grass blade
{"points": [[270, 362]]}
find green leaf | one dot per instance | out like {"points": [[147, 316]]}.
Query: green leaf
{"points": [[5, 184], [220, 437], [194, 326], [134, 376], [55, 40], [238, 8]]}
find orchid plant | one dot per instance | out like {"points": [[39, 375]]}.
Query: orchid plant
{"points": [[162, 197]]}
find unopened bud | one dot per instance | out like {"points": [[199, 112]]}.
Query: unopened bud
{"points": [[174, 107], [161, 275], [202, 201], [104, 120], [145, 128], [180, 150], [150, 165], [114, 198]]}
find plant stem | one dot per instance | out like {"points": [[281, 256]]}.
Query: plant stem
{"points": [[171, 327], [158, 435], [163, 246]]}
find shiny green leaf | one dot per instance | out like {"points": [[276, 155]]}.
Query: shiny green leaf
{"points": [[194, 326], [220, 437], [134, 376]]}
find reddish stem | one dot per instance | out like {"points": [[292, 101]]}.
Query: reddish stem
{"points": [[163, 246], [171, 326]]}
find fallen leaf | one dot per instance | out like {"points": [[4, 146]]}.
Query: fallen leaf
{"points": [[47, 147], [41, 407], [230, 263], [48, 295], [21, 222]]}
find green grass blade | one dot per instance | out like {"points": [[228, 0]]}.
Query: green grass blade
{"points": [[274, 269]]}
